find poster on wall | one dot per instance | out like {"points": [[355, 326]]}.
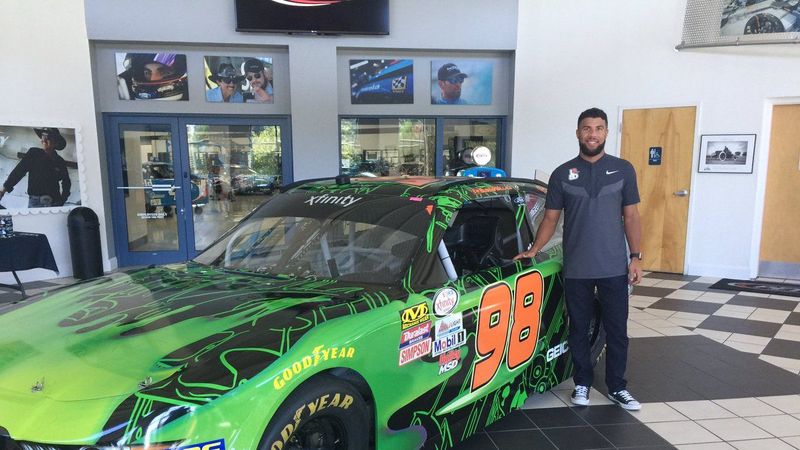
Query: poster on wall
{"points": [[381, 81], [746, 17], [461, 82], [38, 167], [238, 79], [152, 76], [727, 153]]}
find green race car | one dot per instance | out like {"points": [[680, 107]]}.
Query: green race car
{"points": [[342, 314]]}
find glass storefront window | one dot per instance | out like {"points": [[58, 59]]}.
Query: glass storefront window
{"points": [[465, 134], [388, 146]]}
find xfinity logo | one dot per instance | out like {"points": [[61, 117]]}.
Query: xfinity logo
{"points": [[344, 202]]}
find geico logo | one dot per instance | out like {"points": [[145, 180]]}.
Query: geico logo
{"points": [[318, 355], [415, 312], [307, 410], [215, 445], [557, 351]]}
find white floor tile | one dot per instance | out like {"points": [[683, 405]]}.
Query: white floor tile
{"points": [[790, 404], [770, 280], [689, 323], [675, 331], [735, 311], [795, 441], [655, 323], [744, 347], [715, 297], [747, 407], [546, 400], [769, 315], [671, 284], [762, 444], [719, 336], [642, 333], [789, 332], [701, 409], [683, 432], [689, 315], [785, 297], [649, 282], [783, 425], [708, 280], [790, 364], [798, 308], [754, 294], [657, 412], [734, 429], [709, 446], [642, 301], [660, 313], [684, 294], [749, 339]]}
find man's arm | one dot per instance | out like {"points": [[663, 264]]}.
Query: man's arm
{"points": [[633, 233], [543, 234]]}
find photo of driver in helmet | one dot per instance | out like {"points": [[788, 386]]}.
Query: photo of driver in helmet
{"points": [[152, 76]]}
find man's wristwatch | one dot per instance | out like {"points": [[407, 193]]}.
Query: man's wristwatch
{"points": [[636, 255]]}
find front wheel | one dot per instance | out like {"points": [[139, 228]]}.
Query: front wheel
{"points": [[325, 413]]}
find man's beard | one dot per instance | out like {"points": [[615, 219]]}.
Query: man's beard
{"points": [[592, 153]]}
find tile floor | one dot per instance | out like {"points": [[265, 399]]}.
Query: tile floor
{"points": [[713, 369]]}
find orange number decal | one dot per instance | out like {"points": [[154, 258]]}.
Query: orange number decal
{"points": [[492, 333], [527, 314]]}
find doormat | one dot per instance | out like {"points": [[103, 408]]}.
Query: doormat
{"points": [[761, 287]]}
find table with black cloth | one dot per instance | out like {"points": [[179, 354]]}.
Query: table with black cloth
{"points": [[24, 251]]}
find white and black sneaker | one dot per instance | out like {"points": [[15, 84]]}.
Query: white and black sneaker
{"points": [[580, 396], [624, 399]]}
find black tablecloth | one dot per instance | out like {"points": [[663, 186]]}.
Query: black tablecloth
{"points": [[23, 251]]}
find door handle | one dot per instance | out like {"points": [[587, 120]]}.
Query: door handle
{"points": [[681, 193]]}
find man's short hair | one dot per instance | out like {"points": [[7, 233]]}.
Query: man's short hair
{"points": [[593, 113]]}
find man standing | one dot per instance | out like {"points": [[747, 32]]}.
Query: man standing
{"points": [[48, 178], [599, 196], [450, 80]]}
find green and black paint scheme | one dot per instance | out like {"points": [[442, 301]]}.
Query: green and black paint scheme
{"points": [[196, 352]]}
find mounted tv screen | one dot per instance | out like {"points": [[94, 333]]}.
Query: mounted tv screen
{"points": [[313, 16]]}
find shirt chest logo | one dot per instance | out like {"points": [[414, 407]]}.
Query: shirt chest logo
{"points": [[573, 174]]}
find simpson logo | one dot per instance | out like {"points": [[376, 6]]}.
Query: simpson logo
{"points": [[415, 351], [414, 315], [325, 199], [415, 334], [304, 412], [449, 325], [211, 445], [449, 361], [444, 302], [449, 342]]}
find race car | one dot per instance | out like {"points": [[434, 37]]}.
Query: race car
{"points": [[343, 313]]}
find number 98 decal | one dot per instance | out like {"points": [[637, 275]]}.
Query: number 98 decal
{"points": [[499, 331]]}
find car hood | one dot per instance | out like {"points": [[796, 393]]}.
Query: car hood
{"points": [[176, 330]]}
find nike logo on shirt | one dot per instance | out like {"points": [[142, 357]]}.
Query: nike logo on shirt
{"points": [[608, 172]]}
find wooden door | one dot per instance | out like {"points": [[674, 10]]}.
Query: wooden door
{"points": [[664, 188], [780, 234]]}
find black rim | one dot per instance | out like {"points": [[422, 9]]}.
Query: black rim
{"points": [[321, 433]]}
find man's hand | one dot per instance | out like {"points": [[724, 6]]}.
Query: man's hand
{"points": [[530, 253], [634, 271]]}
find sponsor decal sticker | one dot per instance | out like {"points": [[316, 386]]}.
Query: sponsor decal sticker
{"points": [[219, 444], [304, 412], [449, 342], [414, 315], [318, 355], [489, 190], [415, 351], [415, 334], [399, 84], [444, 302], [327, 199], [558, 350], [449, 361], [449, 325], [573, 174]]}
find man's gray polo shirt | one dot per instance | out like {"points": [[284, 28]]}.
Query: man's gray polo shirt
{"points": [[592, 197]]}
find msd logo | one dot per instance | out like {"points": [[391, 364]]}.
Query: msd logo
{"points": [[304, 3]]}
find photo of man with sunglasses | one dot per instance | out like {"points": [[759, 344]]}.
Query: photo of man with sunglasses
{"points": [[259, 81], [229, 84], [450, 81]]}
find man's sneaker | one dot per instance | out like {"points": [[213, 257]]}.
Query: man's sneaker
{"points": [[580, 396], [625, 399]]}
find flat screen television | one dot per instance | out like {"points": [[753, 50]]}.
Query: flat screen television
{"points": [[313, 16]]}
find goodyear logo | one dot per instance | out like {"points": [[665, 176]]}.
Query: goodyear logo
{"points": [[414, 315], [219, 444]]}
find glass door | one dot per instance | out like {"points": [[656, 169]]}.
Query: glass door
{"points": [[149, 212]]}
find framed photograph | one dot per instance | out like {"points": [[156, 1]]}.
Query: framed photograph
{"points": [[152, 76], [727, 153], [238, 79], [461, 82], [381, 81], [748, 17]]}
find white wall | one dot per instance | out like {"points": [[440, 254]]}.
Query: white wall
{"points": [[620, 54], [46, 80]]}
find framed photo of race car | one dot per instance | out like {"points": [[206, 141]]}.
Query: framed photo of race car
{"points": [[726, 153]]}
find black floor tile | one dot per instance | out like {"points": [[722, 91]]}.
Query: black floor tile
{"points": [[793, 319], [631, 435], [479, 441], [671, 276], [652, 291], [605, 415], [783, 348], [555, 417], [732, 325], [692, 286], [516, 420], [9, 297], [521, 440], [762, 302], [697, 307], [577, 438]]}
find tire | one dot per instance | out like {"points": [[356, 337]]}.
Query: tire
{"points": [[339, 425], [597, 335]]}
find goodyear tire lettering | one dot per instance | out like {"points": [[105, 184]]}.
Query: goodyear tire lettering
{"points": [[339, 400]]}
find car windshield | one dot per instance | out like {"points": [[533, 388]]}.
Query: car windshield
{"points": [[363, 239]]}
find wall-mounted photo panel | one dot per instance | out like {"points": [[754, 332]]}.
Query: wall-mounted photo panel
{"points": [[727, 153], [38, 167], [381, 81], [238, 79], [747, 17], [461, 82], [152, 76]]}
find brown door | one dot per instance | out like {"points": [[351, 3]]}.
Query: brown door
{"points": [[664, 188], [780, 234]]}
